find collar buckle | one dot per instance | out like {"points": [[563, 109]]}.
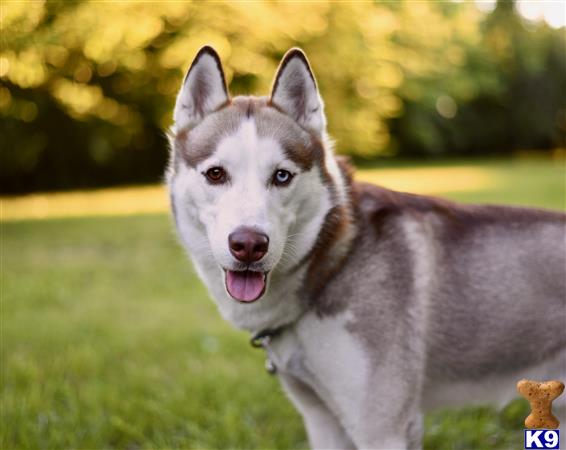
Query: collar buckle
{"points": [[262, 339]]}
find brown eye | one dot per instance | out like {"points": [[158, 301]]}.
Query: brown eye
{"points": [[216, 175], [282, 177]]}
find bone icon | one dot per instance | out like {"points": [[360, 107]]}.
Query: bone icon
{"points": [[540, 395]]}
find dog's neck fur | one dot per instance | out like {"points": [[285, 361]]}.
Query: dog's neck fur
{"points": [[292, 292]]}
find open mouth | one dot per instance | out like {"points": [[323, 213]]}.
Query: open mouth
{"points": [[245, 285]]}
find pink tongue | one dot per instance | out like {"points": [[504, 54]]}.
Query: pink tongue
{"points": [[245, 286]]}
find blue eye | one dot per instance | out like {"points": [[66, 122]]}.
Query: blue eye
{"points": [[282, 177]]}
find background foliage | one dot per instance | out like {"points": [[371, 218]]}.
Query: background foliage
{"points": [[88, 87]]}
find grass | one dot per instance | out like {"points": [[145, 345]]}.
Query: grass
{"points": [[109, 339], [535, 182]]}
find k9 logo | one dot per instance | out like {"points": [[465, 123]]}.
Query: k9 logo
{"points": [[542, 439]]}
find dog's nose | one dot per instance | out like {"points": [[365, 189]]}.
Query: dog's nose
{"points": [[247, 245]]}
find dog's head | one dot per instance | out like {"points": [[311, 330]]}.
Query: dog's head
{"points": [[250, 178]]}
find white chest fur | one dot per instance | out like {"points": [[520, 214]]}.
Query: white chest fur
{"points": [[325, 356]]}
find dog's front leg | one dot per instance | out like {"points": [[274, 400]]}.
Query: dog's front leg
{"points": [[386, 435], [390, 417], [323, 427]]}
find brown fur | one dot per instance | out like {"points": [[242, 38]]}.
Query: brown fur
{"points": [[337, 223], [301, 146]]}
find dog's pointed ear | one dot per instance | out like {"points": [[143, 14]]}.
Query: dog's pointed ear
{"points": [[296, 94], [203, 91]]}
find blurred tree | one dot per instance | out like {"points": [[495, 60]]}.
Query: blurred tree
{"points": [[508, 94], [88, 87]]}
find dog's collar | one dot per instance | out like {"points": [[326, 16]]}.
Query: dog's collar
{"points": [[261, 339]]}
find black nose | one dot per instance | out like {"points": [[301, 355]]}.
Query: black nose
{"points": [[247, 245]]}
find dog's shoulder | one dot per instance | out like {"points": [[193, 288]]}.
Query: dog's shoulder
{"points": [[377, 206]]}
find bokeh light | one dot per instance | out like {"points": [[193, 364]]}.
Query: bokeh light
{"points": [[88, 87]]}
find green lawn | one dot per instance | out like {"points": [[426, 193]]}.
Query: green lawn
{"points": [[109, 341]]}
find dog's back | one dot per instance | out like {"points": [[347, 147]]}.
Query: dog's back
{"points": [[482, 289]]}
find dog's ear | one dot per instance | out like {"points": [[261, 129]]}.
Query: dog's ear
{"points": [[295, 92], [203, 91]]}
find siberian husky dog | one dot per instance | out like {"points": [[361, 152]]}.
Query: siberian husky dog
{"points": [[373, 305]]}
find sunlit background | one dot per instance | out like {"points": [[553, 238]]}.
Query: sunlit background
{"points": [[108, 339], [88, 87]]}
